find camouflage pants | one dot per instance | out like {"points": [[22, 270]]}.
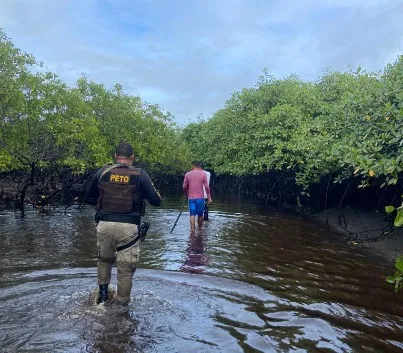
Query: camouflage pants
{"points": [[109, 236]]}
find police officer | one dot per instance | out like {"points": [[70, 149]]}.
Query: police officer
{"points": [[119, 191]]}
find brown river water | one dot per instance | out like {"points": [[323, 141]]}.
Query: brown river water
{"points": [[250, 281]]}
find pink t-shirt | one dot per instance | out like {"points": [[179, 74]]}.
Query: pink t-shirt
{"points": [[194, 182]]}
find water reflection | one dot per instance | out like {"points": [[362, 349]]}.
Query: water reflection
{"points": [[197, 258]]}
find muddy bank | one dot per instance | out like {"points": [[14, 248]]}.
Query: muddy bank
{"points": [[369, 229]]}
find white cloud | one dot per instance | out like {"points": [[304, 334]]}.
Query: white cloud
{"points": [[189, 56]]}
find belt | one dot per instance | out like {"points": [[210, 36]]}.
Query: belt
{"points": [[122, 218], [129, 244], [142, 232]]}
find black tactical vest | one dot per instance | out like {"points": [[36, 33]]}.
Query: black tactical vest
{"points": [[120, 196]]}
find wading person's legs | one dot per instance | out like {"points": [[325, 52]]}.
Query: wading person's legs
{"points": [[106, 257], [193, 213], [206, 210], [196, 208], [200, 212], [126, 261], [200, 220], [192, 223]]}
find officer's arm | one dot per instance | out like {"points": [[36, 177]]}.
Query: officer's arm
{"points": [[149, 190], [92, 194]]}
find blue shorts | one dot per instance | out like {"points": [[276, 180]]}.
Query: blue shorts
{"points": [[196, 207]]}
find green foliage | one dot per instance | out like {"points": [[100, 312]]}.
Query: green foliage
{"points": [[45, 124], [399, 218], [347, 125], [398, 222], [389, 209], [397, 278]]}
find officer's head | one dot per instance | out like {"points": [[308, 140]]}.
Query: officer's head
{"points": [[124, 151]]}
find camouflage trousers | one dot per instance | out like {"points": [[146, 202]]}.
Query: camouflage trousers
{"points": [[109, 236]]}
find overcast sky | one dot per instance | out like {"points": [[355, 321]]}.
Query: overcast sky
{"points": [[188, 56]]}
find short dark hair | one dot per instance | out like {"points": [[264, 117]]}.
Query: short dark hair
{"points": [[124, 150], [196, 164]]}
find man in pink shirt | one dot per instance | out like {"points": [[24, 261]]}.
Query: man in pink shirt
{"points": [[193, 188]]}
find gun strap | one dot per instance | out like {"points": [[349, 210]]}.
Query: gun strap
{"points": [[108, 169]]}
